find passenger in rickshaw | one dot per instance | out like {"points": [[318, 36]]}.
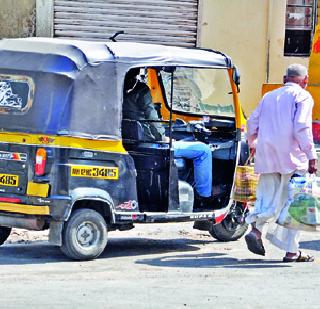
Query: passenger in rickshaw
{"points": [[138, 105]]}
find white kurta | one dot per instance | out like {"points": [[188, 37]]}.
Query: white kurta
{"points": [[272, 194], [281, 125]]}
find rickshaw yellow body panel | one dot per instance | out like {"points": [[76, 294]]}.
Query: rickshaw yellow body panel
{"points": [[38, 189], [24, 209], [63, 141]]}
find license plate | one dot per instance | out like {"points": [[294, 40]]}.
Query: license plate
{"points": [[94, 172], [9, 180]]}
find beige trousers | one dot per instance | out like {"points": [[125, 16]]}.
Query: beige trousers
{"points": [[272, 194]]}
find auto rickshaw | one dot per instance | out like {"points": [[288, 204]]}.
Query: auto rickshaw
{"points": [[70, 163]]}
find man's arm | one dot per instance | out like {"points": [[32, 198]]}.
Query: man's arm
{"points": [[303, 128]]}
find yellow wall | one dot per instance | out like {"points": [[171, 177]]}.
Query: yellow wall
{"points": [[252, 33]]}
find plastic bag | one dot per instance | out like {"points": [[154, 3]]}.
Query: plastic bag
{"points": [[302, 210]]}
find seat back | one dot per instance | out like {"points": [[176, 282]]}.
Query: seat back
{"points": [[132, 130]]}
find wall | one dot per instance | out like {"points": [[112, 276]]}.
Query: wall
{"points": [[278, 62], [252, 33], [24, 18], [17, 18]]}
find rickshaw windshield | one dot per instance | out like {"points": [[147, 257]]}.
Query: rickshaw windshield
{"points": [[200, 91]]}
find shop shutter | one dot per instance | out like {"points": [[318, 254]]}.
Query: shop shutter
{"points": [[170, 22]]}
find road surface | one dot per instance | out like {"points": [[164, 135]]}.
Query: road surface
{"points": [[157, 266]]}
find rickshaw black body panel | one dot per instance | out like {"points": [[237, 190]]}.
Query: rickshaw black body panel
{"points": [[152, 165], [62, 184]]}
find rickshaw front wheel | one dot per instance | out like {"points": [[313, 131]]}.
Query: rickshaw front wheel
{"points": [[4, 234], [85, 235]]}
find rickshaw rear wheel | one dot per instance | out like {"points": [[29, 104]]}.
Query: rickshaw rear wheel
{"points": [[232, 227], [85, 235], [4, 234]]}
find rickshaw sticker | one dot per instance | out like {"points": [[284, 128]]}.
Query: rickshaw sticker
{"points": [[46, 140], [99, 172], [13, 156], [16, 93], [9, 180], [129, 205]]}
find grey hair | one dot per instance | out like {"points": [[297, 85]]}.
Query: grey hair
{"points": [[296, 69]]}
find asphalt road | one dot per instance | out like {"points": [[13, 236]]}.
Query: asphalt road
{"points": [[157, 266]]}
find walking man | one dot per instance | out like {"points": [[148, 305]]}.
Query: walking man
{"points": [[280, 129]]}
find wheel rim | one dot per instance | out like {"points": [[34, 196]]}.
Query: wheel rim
{"points": [[231, 222], [87, 234]]}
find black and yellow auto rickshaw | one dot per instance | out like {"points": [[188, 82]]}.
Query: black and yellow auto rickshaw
{"points": [[70, 163]]}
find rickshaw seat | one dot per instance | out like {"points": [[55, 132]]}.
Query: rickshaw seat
{"points": [[132, 130]]}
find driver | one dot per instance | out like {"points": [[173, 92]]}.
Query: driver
{"points": [[138, 105]]}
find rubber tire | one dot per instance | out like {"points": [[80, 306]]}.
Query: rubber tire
{"points": [[223, 232], [71, 247], [4, 234]]}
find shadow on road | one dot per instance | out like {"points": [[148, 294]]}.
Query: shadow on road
{"points": [[210, 260], [40, 252], [140, 246], [310, 245]]}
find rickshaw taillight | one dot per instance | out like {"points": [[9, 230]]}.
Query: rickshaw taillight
{"points": [[41, 158]]}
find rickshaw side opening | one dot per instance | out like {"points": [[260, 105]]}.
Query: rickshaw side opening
{"points": [[65, 163]]}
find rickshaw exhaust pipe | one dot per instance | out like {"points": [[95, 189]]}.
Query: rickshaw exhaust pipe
{"points": [[22, 223]]}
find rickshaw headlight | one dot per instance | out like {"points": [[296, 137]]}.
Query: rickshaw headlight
{"points": [[41, 158]]}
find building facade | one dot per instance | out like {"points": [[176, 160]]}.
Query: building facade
{"points": [[262, 36]]}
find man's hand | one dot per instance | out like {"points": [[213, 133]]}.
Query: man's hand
{"points": [[312, 166]]}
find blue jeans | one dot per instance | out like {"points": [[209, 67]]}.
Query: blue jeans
{"points": [[201, 155]]}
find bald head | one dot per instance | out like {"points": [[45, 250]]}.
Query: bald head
{"points": [[297, 73]]}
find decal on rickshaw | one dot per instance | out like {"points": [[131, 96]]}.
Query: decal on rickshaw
{"points": [[129, 205], [9, 180], [46, 139], [100, 172], [16, 93], [13, 156]]}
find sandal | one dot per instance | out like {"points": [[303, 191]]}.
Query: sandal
{"points": [[301, 257], [255, 244]]}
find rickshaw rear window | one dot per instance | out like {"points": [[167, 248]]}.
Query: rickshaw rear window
{"points": [[16, 94]]}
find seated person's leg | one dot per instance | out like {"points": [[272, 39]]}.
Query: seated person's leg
{"points": [[201, 155]]}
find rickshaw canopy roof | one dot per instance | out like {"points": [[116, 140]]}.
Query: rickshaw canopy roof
{"points": [[74, 87], [82, 53]]}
